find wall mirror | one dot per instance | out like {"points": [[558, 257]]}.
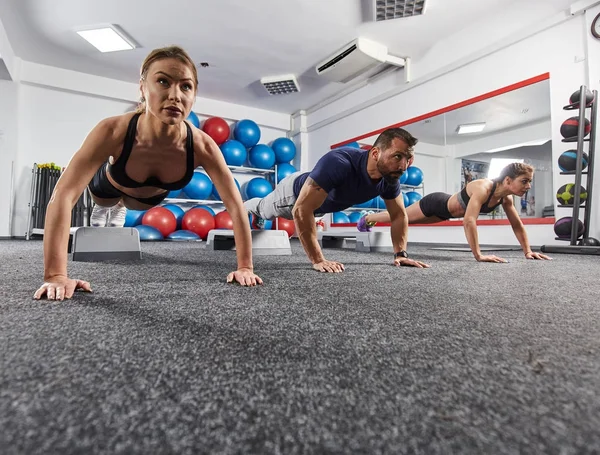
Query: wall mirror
{"points": [[478, 137]]}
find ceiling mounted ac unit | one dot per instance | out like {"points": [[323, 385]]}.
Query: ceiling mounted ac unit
{"points": [[356, 58]]}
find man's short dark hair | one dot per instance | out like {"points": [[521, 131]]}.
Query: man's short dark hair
{"points": [[384, 141]]}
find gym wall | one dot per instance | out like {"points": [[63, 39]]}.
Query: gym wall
{"points": [[49, 124], [554, 50]]}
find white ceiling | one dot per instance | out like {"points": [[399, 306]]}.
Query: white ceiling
{"points": [[243, 41], [525, 106]]}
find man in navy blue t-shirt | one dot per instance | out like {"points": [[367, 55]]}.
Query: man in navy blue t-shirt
{"points": [[342, 178]]}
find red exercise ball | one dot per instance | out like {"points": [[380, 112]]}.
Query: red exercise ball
{"points": [[161, 219], [217, 128], [281, 224], [223, 220], [199, 221]]}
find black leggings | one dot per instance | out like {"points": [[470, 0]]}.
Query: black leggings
{"points": [[101, 187], [436, 204]]}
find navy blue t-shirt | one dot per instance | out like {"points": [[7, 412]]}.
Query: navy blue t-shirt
{"points": [[342, 173]]}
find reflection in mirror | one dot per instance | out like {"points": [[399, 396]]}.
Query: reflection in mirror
{"points": [[476, 140]]}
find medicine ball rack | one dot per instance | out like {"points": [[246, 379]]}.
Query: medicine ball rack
{"points": [[583, 247], [43, 181]]}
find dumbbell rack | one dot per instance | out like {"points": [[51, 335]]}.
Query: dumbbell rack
{"points": [[574, 247]]}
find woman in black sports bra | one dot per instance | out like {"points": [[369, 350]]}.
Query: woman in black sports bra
{"points": [[135, 159], [478, 196]]}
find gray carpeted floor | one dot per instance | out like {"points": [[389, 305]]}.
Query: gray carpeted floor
{"points": [[165, 357]]}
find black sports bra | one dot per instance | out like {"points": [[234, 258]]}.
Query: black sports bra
{"points": [[484, 208], [117, 169]]}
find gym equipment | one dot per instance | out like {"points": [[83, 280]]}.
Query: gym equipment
{"points": [[405, 199], [235, 152], [217, 129], [247, 132], [264, 243], [281, 224], [147, 233], [133, 217], [285, 150], [177, 211], [567, 161], [566, 194], [339, 217], [183, 235], [193, 119], [223, 220], [589, 241], [198, 221], [160, 218], [43, 180], [576, 129], [258, 187], [563, 226], [261, 156], [569, 127], [283, 170], [414, 176], [576, 97], [215, 193], [412, 197], [90, 244], [354, 217], [364, 205], [175, 194], [403, 178], [337, 239], [205, 207], [200, 187], [377, 202]]}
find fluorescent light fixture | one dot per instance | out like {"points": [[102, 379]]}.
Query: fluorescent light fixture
{"points": [[535, 143], [470, 128], [107, 39], [497, 164]]}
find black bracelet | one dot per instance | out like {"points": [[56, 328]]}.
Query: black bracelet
{"points": [[400, 254]]}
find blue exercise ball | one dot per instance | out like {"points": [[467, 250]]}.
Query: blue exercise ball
{"points": [[403, 178], [284, 149], [405, 199], [258, 187], [183, 235], [261, 156], [205, 207], [414, 176], [193, 119], [200, 187], [175, 194], [247, 132], [354, 217], [215, 193], [339, 217], [133, 217], [283, 170], [148, 233], [364, 205], [177, 211], [378, 203], [354, 144], [413, 197], [235, 152]]}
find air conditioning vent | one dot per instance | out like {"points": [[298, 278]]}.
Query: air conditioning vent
{"points": [[337, 58]]}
